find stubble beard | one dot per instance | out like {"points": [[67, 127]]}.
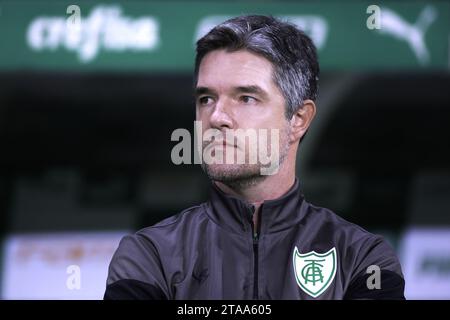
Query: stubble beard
{"points": [[241, 176]]}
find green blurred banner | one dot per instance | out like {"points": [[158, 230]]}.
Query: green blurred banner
{"points": [[143, 36]]}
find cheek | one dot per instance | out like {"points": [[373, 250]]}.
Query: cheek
{"points": [[200, 114], [271, 117]]}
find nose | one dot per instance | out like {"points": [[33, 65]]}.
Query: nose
{"points": [[220, 118]]}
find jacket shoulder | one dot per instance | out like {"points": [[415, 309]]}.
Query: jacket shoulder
{"points": [[341, 228], [362, 252], [175, 223], [359, 247], [135, 270]]}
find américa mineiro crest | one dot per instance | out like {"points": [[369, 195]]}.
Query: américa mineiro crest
{"points": [[314, 272]]}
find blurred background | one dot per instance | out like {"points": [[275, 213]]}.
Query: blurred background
{"points": [[90, 93]]}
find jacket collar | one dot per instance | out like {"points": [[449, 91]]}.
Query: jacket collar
{"points": [[235, 214]]}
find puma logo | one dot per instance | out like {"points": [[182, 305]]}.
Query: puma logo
{"points": [[413, 34]]}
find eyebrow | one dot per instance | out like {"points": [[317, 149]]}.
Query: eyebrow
{"points": [[252, 89], [204, 90], [240, 89]]}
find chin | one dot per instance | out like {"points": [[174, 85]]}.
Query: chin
{"points": [[229, 173]]}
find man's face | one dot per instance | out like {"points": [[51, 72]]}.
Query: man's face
{"points": [[235, 90]]}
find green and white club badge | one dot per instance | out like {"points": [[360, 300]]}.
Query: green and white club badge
{"points": [[314, 272]]}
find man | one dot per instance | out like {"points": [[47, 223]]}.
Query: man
{"points": [[257, 237]]}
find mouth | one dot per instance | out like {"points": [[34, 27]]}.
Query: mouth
{"points": [[223, 144], [220, 144]]}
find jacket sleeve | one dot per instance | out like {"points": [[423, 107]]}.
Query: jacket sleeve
{"points": [[377, 273], [135, 272]]}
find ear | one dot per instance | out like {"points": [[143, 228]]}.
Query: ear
{"points": [[301, 120]]}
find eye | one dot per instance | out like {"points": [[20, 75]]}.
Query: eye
{"points": [[248, 99], [205, 100]]}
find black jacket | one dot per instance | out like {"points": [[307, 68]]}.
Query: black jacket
{"points": [[211, 252]]}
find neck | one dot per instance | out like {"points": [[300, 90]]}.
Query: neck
{"points": [[267, 188], [272, 187]]}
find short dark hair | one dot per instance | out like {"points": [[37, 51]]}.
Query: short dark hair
{"points": [[291, 52]]}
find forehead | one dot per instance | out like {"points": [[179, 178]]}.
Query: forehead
{"points": [[221, 69]]}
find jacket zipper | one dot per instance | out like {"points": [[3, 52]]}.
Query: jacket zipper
{"points": [[255, 258], [255, 255]]}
